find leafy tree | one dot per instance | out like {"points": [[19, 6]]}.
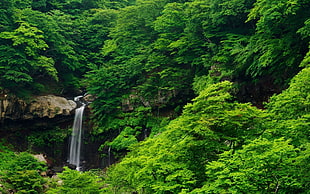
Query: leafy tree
{"points": [[108, 84], [276, 164], [174, 159], [212, 27], [125, 55], [262, 166], [25, 43], [43, 47], [111, 4], [290, 110], [276, 41], [94, 27]]}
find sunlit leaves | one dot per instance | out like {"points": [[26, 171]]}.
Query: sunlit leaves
{"points": [[20, 172], [26, 43], [261, 166], [174, 159], [73, 181], [46, 64], [267, 11], [17, 76], [290, 110], [295, 101], [28, 37]]}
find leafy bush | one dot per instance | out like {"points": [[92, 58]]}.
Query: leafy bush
{"points": [[50, 141], [76, 182], [20, 172]]}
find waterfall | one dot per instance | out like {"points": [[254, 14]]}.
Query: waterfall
{"points": [[76, 138], [109, 156]]}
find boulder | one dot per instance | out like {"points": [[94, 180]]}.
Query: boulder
{"points": [[40, 158], [49, 106]]}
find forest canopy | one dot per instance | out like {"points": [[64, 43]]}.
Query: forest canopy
{"points": [[190, 96]]}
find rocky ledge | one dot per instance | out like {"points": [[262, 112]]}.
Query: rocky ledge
{"points": [[49, 106]]}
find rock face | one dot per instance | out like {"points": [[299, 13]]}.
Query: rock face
{"points": [[39, 107], [161, 99]]}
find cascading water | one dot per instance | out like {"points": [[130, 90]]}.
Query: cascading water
{"points": [[76, 137], [109, 156]]}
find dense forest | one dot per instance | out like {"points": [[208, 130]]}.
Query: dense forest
{"points": [[188, 96]]}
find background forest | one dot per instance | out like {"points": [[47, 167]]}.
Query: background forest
{"points": [[190, 96]]}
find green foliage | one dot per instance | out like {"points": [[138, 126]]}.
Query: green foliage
{"points": [[278, 162], [50, 141], [305, 32], [39, 47], [25, 43], [149, 56], [125, 139], [276, 42], [128, 128], [108, 84], [47, 138], [290, 110], [111, 4], [174, 159], [27, 181], [73, 181], [133, 62], [20, 172], [25, 161], [262, 166], [94, 28], [294, 101], [231, 120]]}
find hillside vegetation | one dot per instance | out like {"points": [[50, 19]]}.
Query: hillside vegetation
{"points": [[190, 96]]}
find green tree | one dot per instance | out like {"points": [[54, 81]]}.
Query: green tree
{"points": [[276, 162], [130, 63], [107, 84], [290, 110], [276, 41], [262, 166], [26, 44], [94, 26], [175, 159]]}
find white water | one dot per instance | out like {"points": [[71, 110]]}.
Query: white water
{"points": [[77, 98], [109, 156], [76, 138]]}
